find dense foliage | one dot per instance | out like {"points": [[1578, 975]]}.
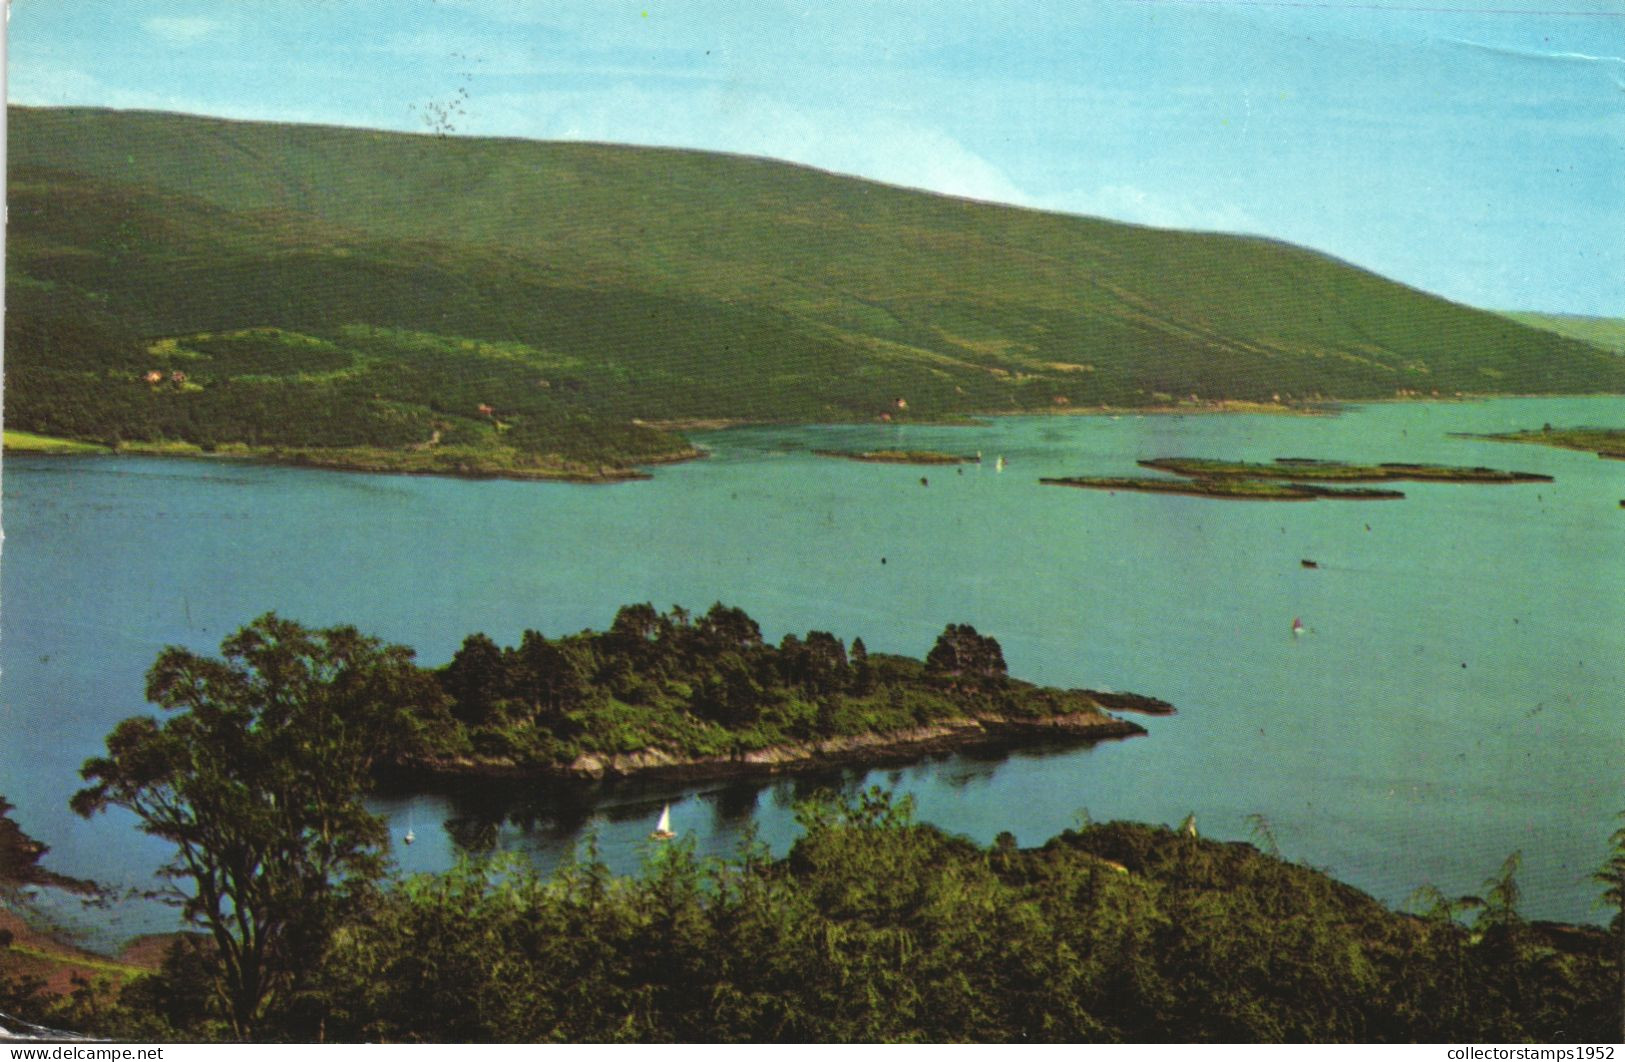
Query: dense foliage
{"points": [[472, 305], [877, 928]]}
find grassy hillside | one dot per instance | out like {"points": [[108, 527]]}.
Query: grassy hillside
{"points": [[1605, 332], [528, 304]]}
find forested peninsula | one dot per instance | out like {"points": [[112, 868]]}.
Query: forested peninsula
{"points": [[1604, 442]]}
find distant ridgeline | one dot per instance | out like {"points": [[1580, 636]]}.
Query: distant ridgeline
{"points": [[416, 303], [706, 696]]}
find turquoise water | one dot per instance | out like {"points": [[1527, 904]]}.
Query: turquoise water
{"points": [[1456, 696]]}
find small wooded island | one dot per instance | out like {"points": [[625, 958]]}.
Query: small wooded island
{"points": [[679, 695], [903, 457], [1243, 489], [1286, 479], [1314, 469]]}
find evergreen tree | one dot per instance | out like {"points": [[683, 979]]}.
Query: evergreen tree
{"points": [[549, 677], [863, 678], [476, 680], [962, 654]]}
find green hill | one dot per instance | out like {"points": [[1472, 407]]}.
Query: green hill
{"points": [[1605, 332], [505, 305]]}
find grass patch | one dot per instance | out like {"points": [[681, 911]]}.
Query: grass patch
{"points": [[23, 442], [77, 961], [1605, 332]]}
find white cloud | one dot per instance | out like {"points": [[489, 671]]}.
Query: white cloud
{"points": [[181, 29], [1164, 210], [40, 85]]}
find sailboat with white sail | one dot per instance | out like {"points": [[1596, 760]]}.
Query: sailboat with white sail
{"points": [[663, 830]]}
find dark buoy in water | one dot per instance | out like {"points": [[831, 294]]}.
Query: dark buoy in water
{"points": [[924, 482]]}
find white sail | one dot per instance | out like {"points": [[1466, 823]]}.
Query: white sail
{"points": [[663, 828]]}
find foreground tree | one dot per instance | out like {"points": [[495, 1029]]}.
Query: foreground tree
{"points": [[257, 780], [1612, 877]]}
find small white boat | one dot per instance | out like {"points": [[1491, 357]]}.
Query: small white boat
{"points": [[998, 466], [1297, 626], [663, 830], [409, 837]]}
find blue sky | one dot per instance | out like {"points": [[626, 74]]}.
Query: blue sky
{"points": [[1474, 148]]}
